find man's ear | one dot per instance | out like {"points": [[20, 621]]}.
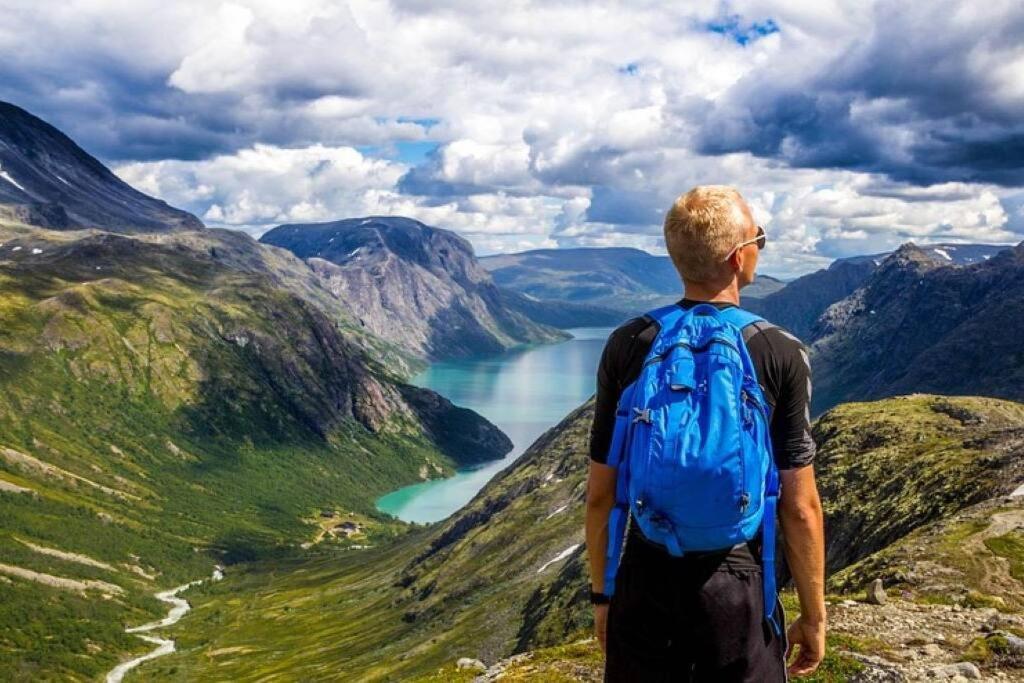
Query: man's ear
{"points": [[735, 260]]}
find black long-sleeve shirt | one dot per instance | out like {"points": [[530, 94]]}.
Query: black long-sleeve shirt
{"points": [[783, 371]]}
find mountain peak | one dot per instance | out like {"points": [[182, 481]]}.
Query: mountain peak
{"points": [[49, 181], [415, 285], [909, 255]]}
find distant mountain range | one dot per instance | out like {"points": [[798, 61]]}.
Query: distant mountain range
{"points": [[917, 325], [417, 286], [620, 278], [49, 181], [801, 302]]}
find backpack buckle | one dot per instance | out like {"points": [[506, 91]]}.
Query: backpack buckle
{"points": [[641, 415]]}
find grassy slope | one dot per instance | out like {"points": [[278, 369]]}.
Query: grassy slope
{"points": [[888, 467], [455, 589], [471, 586], [195, 412]]}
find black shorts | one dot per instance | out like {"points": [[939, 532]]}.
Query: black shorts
{"points": [[690, 619]]}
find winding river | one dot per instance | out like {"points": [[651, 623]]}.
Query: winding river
{"points": [[164, 646], [523, 391]]}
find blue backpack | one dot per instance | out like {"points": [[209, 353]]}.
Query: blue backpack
{"points": [[691, 444]]}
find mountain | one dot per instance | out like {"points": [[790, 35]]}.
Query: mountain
{"points": [[47, 180], [562, 314], [506, 573], [801, 302], [891, 467], [916, 325], [170, 401], [621, 278], [417, 286]]}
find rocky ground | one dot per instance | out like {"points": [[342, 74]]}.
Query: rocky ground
{"points": [[908, 641], [895, 642]]}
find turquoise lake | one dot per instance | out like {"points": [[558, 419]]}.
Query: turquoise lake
{"points": [[523, 391]]}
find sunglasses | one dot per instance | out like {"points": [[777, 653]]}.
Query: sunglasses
{"points": [[760, 239]]}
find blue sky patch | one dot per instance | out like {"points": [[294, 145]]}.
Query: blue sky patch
{"points": [[743, 34], [425, 123], [412, 152]]}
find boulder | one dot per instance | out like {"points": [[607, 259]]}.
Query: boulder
{"points": [[960, 669], [876, 593], [469, 664]]}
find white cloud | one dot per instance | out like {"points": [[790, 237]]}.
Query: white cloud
{"points": [[262, 186], [558, 122]]}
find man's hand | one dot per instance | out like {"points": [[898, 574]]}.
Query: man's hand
{"points": [[808, 639], [601, 625]]}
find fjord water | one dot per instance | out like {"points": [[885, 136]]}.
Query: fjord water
{"points": [[524, 391]]}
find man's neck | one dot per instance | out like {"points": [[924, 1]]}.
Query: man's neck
{"points": [[699, 291]]}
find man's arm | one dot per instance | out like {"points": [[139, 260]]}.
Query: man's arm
{"points": [[804, 544], [800, 513], [601, 478], [600, 501]]}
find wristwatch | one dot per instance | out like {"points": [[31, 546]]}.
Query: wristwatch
{"points": [[598, 598]]}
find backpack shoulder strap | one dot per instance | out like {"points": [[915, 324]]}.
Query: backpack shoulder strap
{"points": [[740, 317], [749, 323], [665, 315]]}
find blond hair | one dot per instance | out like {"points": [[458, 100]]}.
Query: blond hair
{"points": [[702, 227]]}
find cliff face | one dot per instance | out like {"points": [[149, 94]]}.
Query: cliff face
{"points": [[416, 286], [800, 303], [916, 325], [49, 181]]}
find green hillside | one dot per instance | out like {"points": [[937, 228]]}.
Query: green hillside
{"points": [[171, 402], [506, 573]]}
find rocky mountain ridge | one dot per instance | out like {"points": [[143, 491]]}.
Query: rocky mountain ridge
{"points": [[915, 325], [49, 181], [414, 285], [799, 305]]}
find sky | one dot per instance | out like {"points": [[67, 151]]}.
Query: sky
{"points": [[850, 127]]}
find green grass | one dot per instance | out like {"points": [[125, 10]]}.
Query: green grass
{"points": [[1010, 546], [213, 413]]}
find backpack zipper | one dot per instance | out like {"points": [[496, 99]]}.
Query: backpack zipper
{"points": [[745, 496]]}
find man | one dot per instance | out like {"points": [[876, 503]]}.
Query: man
{"points": [[699, 617]]}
